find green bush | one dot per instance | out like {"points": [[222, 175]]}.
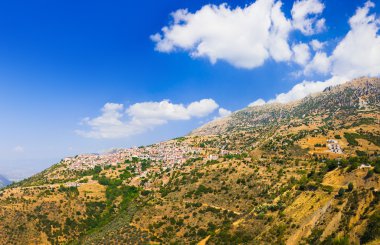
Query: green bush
{"points": [[361, 153], [369, 174], [331, 164], [377, 168], [341, 192], [351, 138], [350, 187]]}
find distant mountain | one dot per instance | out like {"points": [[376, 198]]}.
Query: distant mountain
{"points": [[306, 172], [4, 181]]}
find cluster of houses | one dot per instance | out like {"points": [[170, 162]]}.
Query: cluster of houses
{"points": [[334, 147], [168, 154]]}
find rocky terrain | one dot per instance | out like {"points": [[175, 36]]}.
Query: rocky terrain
{"points": [[307, 172]]}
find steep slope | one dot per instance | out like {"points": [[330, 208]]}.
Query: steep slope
{"points": [[300, 173]]}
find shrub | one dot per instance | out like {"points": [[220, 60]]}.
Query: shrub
{"points": [[85, 180], [351, 138], [377, 168], [361, 153], [202, 189], [369, 174], [202, 233], [350, 187], [331, 165], [341, 192]]}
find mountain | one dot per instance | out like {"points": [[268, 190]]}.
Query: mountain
{"points": [[307, 172], [4, 181], [337, 102]]}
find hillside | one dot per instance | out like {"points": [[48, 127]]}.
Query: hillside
{"points": [[337, 102], [307, 172]]}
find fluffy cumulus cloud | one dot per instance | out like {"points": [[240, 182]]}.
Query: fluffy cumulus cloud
{"points": [[319, 64], [117, 122], [358, 53], [224, 112], [301, 53], [317, 45], [244, 37], [305, 16], [305, 88], [302, 90], [257, 102]]}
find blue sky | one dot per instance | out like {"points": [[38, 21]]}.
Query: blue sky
{"points": [[61, 62]]}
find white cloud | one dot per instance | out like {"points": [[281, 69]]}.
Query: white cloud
{"points": [[320, 25], [257, 102], [111, 114], [305, 16], [358, 54], [115, 122], [202, 108], [224, 112], [301, 53], [244, 37], [319, 64], [163, 110], [317, 45], [18, 149], [305, 88], [279, 31], [301, 90]]}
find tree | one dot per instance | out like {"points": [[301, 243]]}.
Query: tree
{"points": [[369, 174], [377, 168], [350, 187], [97, 169], [341, 192]]}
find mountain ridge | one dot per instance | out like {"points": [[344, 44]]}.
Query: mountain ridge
{"points": [[361, 82]]}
